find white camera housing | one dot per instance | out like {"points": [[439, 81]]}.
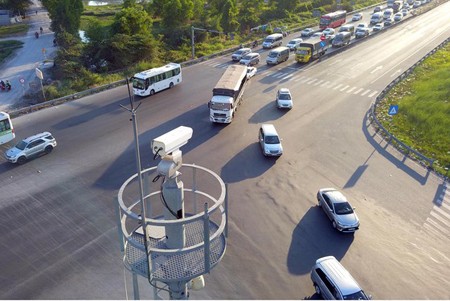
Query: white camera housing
{"points": [[171, 141]]}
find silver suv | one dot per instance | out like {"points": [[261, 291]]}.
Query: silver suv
{"points": [[338, 210], [42, 143]]}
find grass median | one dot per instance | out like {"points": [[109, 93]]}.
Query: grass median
{"points": [[423, 119]]}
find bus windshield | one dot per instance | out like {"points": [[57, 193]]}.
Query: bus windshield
{"points": [[138, 83]]}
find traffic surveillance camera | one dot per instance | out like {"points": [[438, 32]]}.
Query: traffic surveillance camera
{"points": [[171, 141]]}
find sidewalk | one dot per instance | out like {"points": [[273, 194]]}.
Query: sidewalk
{"points": [[23, 63]]}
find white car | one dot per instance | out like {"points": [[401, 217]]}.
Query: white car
{"points": [[251, 71], [404, 12], [338, 210], [378, 27], [328, 31], [294, 43], [284, 99], [238, 54], [416, 4], [307, 32], [317, 34], [357, 17], [33, 146], [250, 59]]}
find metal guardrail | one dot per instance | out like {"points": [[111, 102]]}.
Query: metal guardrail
{"points": [[402, 147]]}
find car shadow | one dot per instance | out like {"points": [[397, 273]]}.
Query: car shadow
{"points": [[268, 112], [250, 162], [313, 238]]}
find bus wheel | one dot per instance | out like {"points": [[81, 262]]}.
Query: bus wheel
{"points": [[171, 85], [152, 92]]}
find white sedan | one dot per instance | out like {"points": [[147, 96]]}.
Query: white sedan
{"points": [[251, 71]]}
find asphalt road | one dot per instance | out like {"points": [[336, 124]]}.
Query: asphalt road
{"points": [[58, 231]]}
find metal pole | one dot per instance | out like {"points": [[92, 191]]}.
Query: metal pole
{"points": [[192, 42], [42, 88], [141, 191], [135, 287]]}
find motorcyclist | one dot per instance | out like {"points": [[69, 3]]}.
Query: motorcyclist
{"points": [[36, 34], [2, 85], [8, 85], [255, 43]]}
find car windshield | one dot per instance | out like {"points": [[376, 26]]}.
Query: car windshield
{"points": [[21, 145], [247, 57], [238, 52], [343, 208], [272, 140], [220, 106], [356, 296], [302, 52], [284, 96]]}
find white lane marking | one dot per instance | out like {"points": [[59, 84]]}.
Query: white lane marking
{"points": [[436, 225], [376, 69], [288, 76], [311, 81], [442, 212], [373, 94], [337, 86], [300, 78], [365, 92], [346, 87], [350, 90], [319, 82], [357, 91], [325, 84]]}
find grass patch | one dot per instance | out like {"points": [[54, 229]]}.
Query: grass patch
{"points": [[13, 30], [423, 120], [8, 47]]}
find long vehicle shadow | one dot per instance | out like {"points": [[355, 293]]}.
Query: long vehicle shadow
{"points": [[267, 113], [422, 179], [250, 162], [125, 165], [315, 227]]}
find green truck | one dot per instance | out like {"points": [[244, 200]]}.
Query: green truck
{"points": [[311, 49]]}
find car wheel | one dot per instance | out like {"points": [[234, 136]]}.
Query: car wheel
{"points": [[48, 149], [317, 289], [171, 85], [334, 225], [152, 92], [22, 160]]}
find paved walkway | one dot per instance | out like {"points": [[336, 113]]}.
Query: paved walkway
{"points": [[23, 63]]}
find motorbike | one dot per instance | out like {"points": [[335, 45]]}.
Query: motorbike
{"points": [[255, 43]]}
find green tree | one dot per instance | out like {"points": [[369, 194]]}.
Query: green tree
{"points": [[132, 20], [65, 15], [176, 13], [229, 21], [249, 14]]}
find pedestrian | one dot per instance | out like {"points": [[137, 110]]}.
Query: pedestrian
{"points": [[41, 29], [36, 12], [36, 34]]}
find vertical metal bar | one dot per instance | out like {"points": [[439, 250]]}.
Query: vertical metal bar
{"points": [[119, 225], [226, 210], [146, 184], [135, 287], [206, 239], [192, 42], [194, 188]]}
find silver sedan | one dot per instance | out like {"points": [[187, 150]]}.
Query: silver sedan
{"points": [[338, 210]]}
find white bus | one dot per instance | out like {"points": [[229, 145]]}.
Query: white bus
{"points": [[156, 79], [6, 128]]}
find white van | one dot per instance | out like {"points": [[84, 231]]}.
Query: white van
{"points": [[348, 27], [273, 40], [278, 55], [269, 140], [333, 282], [376, 18], [388, 13]]}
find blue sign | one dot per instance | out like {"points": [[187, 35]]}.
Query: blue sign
{"points": [[393, 110], [323, 44]]}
